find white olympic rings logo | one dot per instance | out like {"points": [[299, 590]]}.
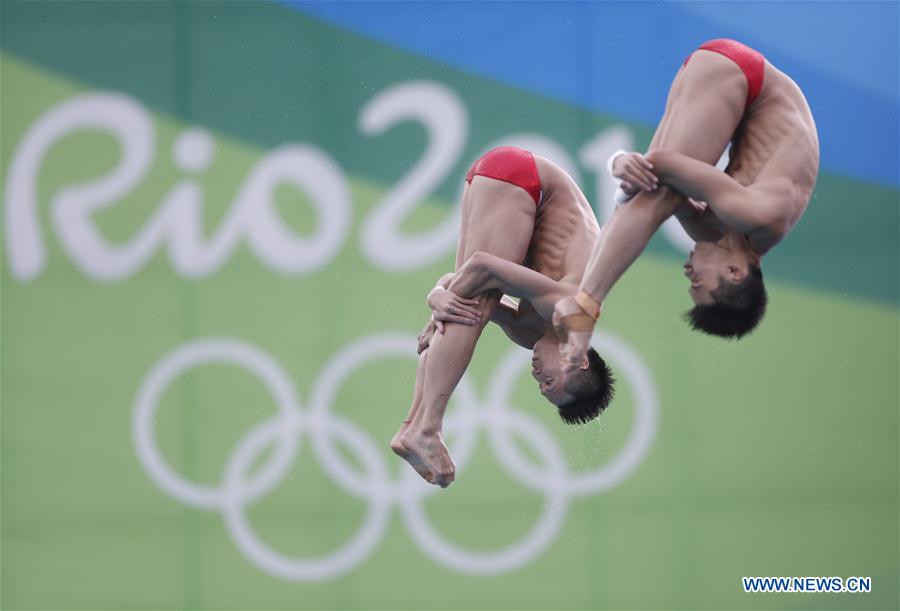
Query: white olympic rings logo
{"points": [[498, 419]]}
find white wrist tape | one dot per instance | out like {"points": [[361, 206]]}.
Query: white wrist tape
{"points": [[612, 160]]}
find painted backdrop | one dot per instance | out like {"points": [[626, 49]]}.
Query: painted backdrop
{"points": [[220, 220]]}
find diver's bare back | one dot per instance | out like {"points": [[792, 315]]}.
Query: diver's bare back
{"points": [[565, 227], [778, 144]]}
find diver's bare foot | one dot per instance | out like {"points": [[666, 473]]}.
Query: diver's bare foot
{"points": [[428, 456], [396, 445], [403, 452]]}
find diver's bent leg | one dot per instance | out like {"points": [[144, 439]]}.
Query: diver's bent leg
{"points": [[397, 443], [450, 354]]}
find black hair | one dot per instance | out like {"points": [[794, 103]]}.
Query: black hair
{"points": [[593, 389], [737, 309]]}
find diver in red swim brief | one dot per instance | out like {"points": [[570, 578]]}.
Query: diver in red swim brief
{"points": [[510, 164], [510, 242], [725, 92], [751, 62]]}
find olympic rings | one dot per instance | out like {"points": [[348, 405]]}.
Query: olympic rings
{"points": [[374, 485]]}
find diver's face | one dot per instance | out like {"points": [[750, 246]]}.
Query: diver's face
{"points": [[706, 267], [546, 366]]}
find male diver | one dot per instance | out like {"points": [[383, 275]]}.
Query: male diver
{"points": [[527, 231], [724, 92]]}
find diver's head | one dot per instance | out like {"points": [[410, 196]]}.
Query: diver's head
{"points": [[727, 289], [587, 391]]}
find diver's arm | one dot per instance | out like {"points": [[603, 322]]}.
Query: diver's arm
{"points": [[744, 209], [698, 221], [484, 272], [623, 238]]}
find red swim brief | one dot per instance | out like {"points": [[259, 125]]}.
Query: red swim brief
{"points": [[750, 61], [510, 164]]}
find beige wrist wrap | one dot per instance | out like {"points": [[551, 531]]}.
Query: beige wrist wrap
{"points": [[584, 320]]}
